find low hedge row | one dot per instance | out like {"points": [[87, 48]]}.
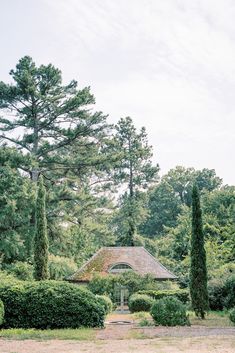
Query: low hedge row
{"points": [[140, 302], [50, 304], [181, 294]]}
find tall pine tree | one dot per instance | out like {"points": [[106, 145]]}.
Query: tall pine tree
{"points": [[198, 269], [133, 172], [41, 240]]}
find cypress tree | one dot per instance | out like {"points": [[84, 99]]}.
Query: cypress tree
{"points": [[198, 269], [41, 240]]}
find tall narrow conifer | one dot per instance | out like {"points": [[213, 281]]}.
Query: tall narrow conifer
{"points": [[41, 240], [198, 270]]}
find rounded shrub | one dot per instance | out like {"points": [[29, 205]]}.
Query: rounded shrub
{"points": [[229, 292], [140, 302], [169, 311], [106, 302], [1, 313], [50, 304], [232, 315], [216, 294]]}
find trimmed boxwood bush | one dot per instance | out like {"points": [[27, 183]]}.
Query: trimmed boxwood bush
{"points": [[169, 311], [140, 302], [106, 302], [50, 304], [1, 312], [181, 294], [232, 315]]}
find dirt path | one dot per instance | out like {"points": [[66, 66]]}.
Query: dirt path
{"points": [[220, 344]]}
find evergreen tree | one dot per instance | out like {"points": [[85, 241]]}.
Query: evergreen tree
{"points": [[41, 240], [134, 172], [198, 269], [48, 118]]}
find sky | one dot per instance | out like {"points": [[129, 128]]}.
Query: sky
{"points": [[170, 65]]}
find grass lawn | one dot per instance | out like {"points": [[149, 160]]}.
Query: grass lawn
{"points": [[213, 319], [81, 334]]}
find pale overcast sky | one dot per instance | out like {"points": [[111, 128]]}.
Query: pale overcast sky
{"points": [[169, 64]]}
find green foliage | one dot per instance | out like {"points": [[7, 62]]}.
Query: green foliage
{"points": [[2, 312], [140, 302], [198, 269], [21, 270], [81, 334], [6, 277], [222, 292], [51, 115], [145, 323], [16, 204], [229, 291], [50, 304], [41, 241], [180, 294], [232, 315], [106, 302], [169, 311], [174, 191], [61, 137], [134, 171], [216, 294], [132, 281], [60, 267]]}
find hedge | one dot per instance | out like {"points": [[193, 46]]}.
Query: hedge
{"points": [[169, 311], [140, 302], [181, 294], [50, 304], [1, 312]]}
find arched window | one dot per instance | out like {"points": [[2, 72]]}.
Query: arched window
{"points": [[120, 267]]}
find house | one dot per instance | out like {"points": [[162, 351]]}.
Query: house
{"points": [[115, 260]]}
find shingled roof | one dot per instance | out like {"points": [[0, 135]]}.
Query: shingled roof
{"points": [[138, 258]]}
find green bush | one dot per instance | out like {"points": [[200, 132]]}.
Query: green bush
{"points": [[229, 292], [169, 311], [106, 302], [181, 294], [21, 270], [140, 302], [132, 281], [6, 277], [232, 315], [1, 313], [50, 304], [216, 294]]}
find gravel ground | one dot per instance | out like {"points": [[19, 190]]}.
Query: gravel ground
{"points": [[220, 344]]}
